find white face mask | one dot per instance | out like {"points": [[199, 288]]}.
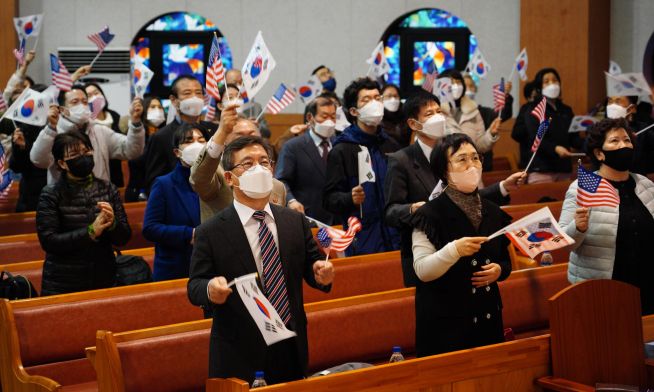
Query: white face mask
{"points": [[190, 153], [80, 114], [325, 129], [392, 104], [65, 125], [466, 181], [235, 101], [457, 91], [372, 113], [256, 183], [434, 127], [615, 111], [470, 94], [552, 91], [192, 106], [155, 117]]}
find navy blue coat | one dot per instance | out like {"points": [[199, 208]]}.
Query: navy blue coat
{"points": [[172, 212], [302, 170]]}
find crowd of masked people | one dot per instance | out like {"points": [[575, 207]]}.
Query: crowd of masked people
{"points": [[186, 170]]}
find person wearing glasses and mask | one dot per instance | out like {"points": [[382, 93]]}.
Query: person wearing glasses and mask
{"points": [[303, 162], [79, 221], [343, 194], [173, 209], [458, 302], [613, 242]]}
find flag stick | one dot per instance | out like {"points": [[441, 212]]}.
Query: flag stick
{"points": [[316, 221], [36, 42], [259, 116], [14, 122], [361, 210], [329, 250], [644, 129], [510, 78], [531, 160], [94, 59]]}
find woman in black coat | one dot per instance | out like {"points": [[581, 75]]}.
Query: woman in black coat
{"points": [[79, 220], [458, 302]]}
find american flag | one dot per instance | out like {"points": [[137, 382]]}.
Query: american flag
{"points": [[428, 84], [102, 38], [595, 191], [539, 110], [3, 104], [5, 176], [281, 99], [210, 103], [60, 75], [338, 240], [215, 70], [20, 52], [542, 128], [499, 96]]}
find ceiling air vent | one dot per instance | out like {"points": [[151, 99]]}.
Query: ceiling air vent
{"points": [[112, 60]]}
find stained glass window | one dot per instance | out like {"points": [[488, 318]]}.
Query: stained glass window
{"points": [[428, 53]]}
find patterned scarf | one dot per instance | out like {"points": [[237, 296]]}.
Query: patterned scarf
{"points": [[470, 204]]}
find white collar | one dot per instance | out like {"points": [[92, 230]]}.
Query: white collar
{"points": [[317, 139], [245, 213], [425, 148]]}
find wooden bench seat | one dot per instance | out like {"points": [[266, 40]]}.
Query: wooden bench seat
{"points": [[74, 318], [533, 193]]}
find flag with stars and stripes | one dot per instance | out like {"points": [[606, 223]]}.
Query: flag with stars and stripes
{"points": [[102, 38], [539, 110], [280, 100], [499, 96], [339, 240], [542, 128], [595, 191], [60, 75], [215, 70]]}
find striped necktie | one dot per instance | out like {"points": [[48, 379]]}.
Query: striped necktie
{"points": [[273, 275]]}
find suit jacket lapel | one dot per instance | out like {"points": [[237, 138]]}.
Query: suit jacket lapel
{"points": [[422, 169], [234, 233], [312, 152]]}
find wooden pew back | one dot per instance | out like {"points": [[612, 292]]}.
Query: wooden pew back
{"points": [[533, 193]]}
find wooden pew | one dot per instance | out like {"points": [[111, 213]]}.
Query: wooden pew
{"points": [[491, 177], [375, 323], [533, 193], [73, 319], [25, 222]]}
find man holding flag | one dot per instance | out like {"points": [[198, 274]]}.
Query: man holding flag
{"points": [[254, 236]]}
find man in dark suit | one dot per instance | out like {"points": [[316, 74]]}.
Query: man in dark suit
{"points": [[188, 100], [253, 235], [409, 181], [302, 162]]}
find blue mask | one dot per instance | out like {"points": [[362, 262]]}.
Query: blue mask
{"points": [[329, 85]]}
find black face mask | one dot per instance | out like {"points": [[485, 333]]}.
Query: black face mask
{"points": [[82, 166], [620, 159]]}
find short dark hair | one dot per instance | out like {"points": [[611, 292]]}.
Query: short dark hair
{"points": [[69, 141], [173, 87], [538, 79], [351, 94], [106, 102], [330, 95], [183, 131], [30, 81], [386, 86], [62, 93], [319, 102], [529, 88], [238, 145], [597, 135], [318, 68], [438, 160], [417, 100]]}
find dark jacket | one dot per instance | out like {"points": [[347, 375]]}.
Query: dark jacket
{"points": [[644, 147], [302, 170], [394, 124], [116, 165], [136, 184], [410, 180], [546, 159], [450, 313], [519, 134], [343, 175], [171, 214], [33, 179], [221, 248], [73, 261], [488, 115]]}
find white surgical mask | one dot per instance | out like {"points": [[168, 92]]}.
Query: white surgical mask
{"points": [[457, 91], [434, 127], [155, 117], [190, 153], [235, 101], [466, 181], [615, 111], [65, 125], [392, 104], [470, 94], [80, 114], [256, 183], [372, 113], [552, 91], [325, 129], [192, 106]]}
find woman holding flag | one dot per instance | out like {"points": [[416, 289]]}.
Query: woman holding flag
{"points": [[613, 241], [458, 302]]}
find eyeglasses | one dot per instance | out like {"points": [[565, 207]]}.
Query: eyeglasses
{"points": [[250, 163], [462, 159]]}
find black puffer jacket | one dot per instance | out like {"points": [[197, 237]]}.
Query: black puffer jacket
{"points": [[73, 261]]}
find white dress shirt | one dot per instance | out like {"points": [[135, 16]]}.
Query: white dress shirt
{"points": [[251, 227], [317, 140]]}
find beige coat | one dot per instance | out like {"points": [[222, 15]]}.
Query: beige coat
{"points": [[470, 122], [208, 181]]}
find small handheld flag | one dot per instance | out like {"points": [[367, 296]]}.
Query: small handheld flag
{"points": [[309, 90], [60, 76], [594, 191], [378, 64], [339, 240], [3, 104], [478, 65], [542, 128], [428, 84], [280, 100], [581, 123], [215, 70], [101, 39], [520, 65], [499, 96], [20, 52], [539, 110], [257, 67]]}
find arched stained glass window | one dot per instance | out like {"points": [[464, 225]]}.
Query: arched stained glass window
{"points": [[423, 39], [174, 44]]}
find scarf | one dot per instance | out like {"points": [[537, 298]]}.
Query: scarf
{"points": [[469, 203]]}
